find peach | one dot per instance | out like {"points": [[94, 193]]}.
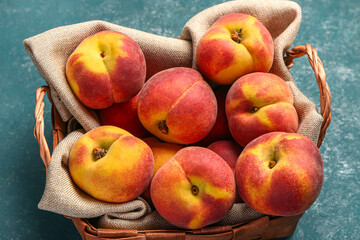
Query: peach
{"points": [[107, 67], [236, 44], [230, 152], [258, 103], [193, 189], [162, 152], [220, 130], [111, 165], [124, 115], [280, 173], [177, 105]]}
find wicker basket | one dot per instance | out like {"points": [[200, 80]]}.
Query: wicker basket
{"points": [[266, 227]]}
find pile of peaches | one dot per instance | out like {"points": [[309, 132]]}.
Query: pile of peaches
{"points": [[190, 149]]}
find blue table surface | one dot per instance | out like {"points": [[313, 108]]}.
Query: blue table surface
{"points": [[331, 26]]}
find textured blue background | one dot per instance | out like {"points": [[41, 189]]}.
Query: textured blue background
{"points": [[331, 26]]}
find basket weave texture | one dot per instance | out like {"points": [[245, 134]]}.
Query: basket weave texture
{"points": [[55, 47]]}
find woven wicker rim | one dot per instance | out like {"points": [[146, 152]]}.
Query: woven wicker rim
{"points": [[85, 228]]}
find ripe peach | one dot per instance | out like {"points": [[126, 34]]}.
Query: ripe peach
{"points": [[107, 67], [193, 189], [258, 103], [177, 105], [124, 115], [235, 45], [111, 165], [280, 173]]}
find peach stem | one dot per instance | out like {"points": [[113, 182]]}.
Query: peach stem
{"points": [[163, 127], [272, 164], [236, 36], [99, 152]]}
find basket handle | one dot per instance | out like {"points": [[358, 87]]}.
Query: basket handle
{"points": [[296, 52], [58, 126], [39, 124], [318, 68]]}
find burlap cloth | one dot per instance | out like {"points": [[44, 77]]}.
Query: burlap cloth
{"points": [[50, 51]]}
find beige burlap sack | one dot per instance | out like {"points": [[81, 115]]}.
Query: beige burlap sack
{"points": [[50, 50]]}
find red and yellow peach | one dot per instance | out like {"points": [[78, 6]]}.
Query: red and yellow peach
{"points": [[235, 45], [177, 105], [193, 189], [258, 103], [280, 173], [111, 165], [107, 67]]}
